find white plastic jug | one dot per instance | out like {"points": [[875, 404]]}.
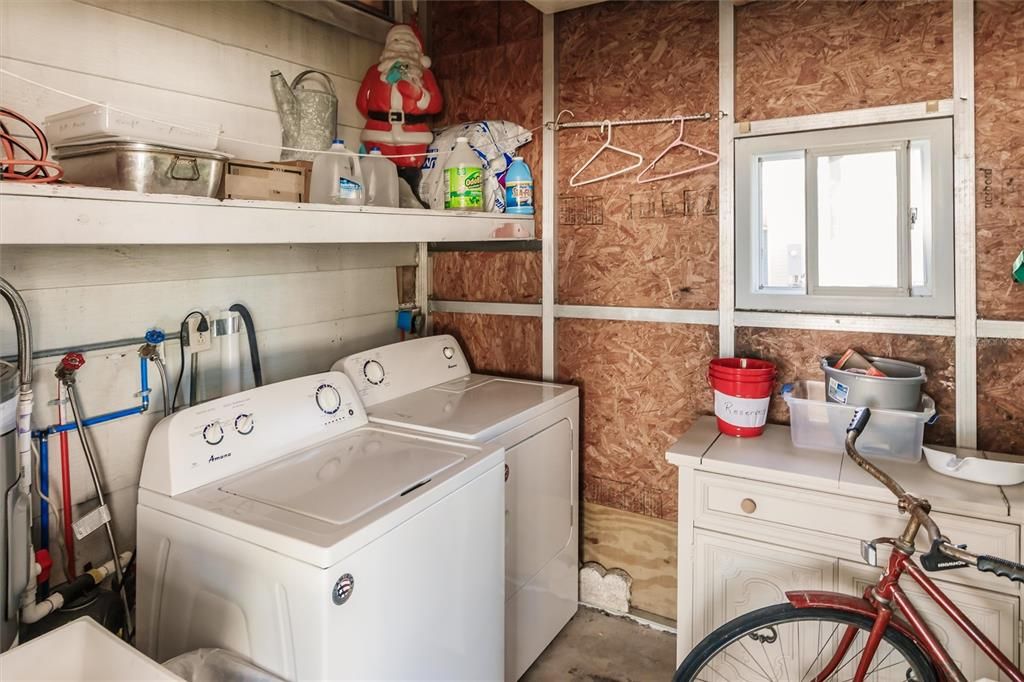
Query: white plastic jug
{"points": [[337, 178], [381, 176]]}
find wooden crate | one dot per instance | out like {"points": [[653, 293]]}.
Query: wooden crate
{"points": [[284, 181]]}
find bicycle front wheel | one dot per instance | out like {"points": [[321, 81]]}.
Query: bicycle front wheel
{"points": [[785, 644]]}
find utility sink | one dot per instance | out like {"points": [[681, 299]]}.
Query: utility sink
{"points": [[80, 650]]}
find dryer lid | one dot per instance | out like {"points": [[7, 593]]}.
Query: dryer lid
{"points": [[475, 407], [345, 478]]}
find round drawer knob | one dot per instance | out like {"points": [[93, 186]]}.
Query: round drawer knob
{"points": [[748, 505]]}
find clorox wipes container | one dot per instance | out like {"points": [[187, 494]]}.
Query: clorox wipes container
{"points": [[464, 175]]}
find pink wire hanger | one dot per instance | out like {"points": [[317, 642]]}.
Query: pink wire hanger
{"points": [[678, 142], [606, 146]]}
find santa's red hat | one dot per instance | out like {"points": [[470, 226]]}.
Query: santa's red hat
{"points": [[408, 31]]}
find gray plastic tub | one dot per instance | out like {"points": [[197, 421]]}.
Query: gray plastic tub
{"points": [[900, 389]]}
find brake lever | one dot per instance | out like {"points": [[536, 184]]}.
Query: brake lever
{"points": [[937, 560]]}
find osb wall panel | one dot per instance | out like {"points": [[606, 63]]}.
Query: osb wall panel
{"points": [[488, 60], [496, 344], [999, 150], [797, 354], [513, 277], [642, 386], [642, 546], [797, 57], [1000, 387], [623, 243]]}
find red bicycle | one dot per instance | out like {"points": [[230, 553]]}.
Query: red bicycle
{"points": [[820, 636]]}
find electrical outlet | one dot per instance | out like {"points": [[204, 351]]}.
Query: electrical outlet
{"points": [[197, 340]]}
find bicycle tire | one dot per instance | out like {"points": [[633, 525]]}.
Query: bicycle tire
{"points": [[734, 630]]}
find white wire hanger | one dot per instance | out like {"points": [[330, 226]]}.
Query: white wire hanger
{"points": [[678, 142], [605, 147]]}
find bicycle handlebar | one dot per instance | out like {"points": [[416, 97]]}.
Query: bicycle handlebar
{"points": [[920, 509]]}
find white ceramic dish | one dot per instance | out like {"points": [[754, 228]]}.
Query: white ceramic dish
{"points": [[992, 468]]}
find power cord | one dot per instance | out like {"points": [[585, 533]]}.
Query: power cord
{"points": [[40, 170], [204, 326]]}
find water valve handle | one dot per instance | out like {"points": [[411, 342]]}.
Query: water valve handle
{"points": [[155, 336], [72, 362]]}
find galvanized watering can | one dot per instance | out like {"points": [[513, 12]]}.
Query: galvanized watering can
{"points": [[309, 118]]}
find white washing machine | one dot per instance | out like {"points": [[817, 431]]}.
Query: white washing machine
{"points": [[279, 524], [426, 385]]}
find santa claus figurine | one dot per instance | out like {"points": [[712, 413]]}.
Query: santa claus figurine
{"points": [[396, 96]]}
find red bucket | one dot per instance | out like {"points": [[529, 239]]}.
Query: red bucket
{"points": [[743, 388]]}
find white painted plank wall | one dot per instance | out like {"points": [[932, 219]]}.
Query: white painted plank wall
{"points": [[206, 61], [210, 61]]}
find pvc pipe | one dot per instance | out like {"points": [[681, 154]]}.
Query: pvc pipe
{"points": [[227, 328], [33, 611]]}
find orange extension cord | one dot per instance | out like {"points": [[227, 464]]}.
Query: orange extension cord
{"points": [[39, 168]]}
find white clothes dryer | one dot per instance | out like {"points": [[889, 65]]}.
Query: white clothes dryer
{"points": [[426, 385], [279, 524]]}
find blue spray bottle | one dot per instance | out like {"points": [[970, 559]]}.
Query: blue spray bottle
{"points": [[519, 188]]}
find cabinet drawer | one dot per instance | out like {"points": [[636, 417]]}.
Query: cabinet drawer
{"points": [[769, 511]]}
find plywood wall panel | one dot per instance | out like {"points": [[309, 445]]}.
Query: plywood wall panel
{"points": [[621, 243], [496, 344], [999, 150], [642, 386], [642, 546], [795, 58], [508, 277], [488, 60], [796, 354], [1000, 387]]}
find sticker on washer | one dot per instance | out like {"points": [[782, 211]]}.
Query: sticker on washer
{"points": [[837, 391], [743, 412], [91, 521]]}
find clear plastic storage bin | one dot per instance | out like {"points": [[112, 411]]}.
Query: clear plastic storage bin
{"points": [[98, 122], [820, 425]]}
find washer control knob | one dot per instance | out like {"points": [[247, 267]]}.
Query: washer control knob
{"points": [[244, 424], [374, 372], [213, 433], [448, 352], [327, 398]]}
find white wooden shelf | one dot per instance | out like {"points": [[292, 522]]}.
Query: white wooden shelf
{"points": [[66, 215]]}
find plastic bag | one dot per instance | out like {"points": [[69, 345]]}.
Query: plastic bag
{"points": [[495, 142], [217, 665]]}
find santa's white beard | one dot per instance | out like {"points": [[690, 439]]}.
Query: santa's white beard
{"points": [[413, 71]]}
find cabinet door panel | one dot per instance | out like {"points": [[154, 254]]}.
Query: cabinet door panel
{"points": [[994, 614], [733, 576]]}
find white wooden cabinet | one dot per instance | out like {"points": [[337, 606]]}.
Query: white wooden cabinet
{"points": [[736, 576], [759, 517]]}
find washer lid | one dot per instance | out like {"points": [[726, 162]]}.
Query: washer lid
{"points": [[475, 407], [346, 478]]}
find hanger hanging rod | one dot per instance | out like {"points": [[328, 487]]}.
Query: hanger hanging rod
{"points": [[630, 122]]}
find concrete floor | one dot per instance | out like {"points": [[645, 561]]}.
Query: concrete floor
{"points": [[596, 647]]}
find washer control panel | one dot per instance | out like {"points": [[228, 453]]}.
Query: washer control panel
{"points": [[393, 371], [228, 435]]}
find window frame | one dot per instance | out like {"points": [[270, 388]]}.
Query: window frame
{"points": [[934, 299]]}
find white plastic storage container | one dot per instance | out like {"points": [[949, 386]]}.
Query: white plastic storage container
{"points": [[820, 425], [96, 122]]}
